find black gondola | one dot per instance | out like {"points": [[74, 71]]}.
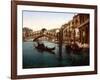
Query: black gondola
{"points": [[42, 47]]}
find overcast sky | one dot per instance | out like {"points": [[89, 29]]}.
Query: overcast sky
{"points": [[37, 20]]}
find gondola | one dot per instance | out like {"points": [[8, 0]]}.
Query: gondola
{"points": [[42, 47], [45, 48]]}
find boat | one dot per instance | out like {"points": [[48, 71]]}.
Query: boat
{"points": [[42, 47], [45, 48], [73, 48]]}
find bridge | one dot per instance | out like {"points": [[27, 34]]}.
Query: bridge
{"points": [[49, 35], [43, 36]]}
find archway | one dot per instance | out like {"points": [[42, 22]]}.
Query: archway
{"points": [[35, 39]]}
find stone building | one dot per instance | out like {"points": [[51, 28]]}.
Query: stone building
{"points": [[81, 24], [68, 32], [27, 32], [77, 29]]}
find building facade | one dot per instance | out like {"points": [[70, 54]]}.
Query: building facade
{"points": [[77, 29]]}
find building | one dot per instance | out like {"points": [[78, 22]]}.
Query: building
{"points": [[77, 29], [27, 33], [81, 24], [68, 32]]}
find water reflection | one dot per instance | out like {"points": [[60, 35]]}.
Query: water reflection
{"points": [[37, 58]]}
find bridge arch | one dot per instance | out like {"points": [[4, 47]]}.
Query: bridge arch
{"points": [[42, 36]]}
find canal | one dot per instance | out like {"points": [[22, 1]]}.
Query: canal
{"points": [[33, 58]]}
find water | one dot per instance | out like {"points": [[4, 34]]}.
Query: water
{"points": [[33, 58]]}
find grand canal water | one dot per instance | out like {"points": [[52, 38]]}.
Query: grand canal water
{"points": [[33, 58]]}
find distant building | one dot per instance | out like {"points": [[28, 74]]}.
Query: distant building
{"points": [[68, 31], [27, 32]]}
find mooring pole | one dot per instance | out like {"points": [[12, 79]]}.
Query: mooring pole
{"points": [[60, 43]]}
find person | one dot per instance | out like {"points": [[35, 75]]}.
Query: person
{"points": [[40, 45]]}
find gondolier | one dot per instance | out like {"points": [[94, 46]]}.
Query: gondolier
{"points": [[42, 47]]}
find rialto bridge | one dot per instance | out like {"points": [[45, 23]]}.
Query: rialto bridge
{"points": [[47, 35]]}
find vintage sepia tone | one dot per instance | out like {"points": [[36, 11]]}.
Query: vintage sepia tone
{"points": [[55, 39], [51, 47]]}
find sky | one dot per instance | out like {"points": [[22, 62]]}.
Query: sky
{"points": [[36, 20]]}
